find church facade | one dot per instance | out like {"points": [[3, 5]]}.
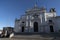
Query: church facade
{"points": [[37, 20]]}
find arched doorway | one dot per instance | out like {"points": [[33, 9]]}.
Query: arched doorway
{"points": [[35, 26], [51, 28], [22, 29]]}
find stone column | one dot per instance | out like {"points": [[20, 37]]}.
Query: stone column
{"points": [[27, 24]]}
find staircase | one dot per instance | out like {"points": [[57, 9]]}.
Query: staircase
{"points": [[38, 36], [32, 37], [41, 36]]}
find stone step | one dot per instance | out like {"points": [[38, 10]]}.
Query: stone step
{"points": [[31, 37]]}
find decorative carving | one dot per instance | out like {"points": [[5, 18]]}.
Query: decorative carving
{"points": [[35, 15]]}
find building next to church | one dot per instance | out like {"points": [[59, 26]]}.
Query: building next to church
{"points": [[37, 20]]}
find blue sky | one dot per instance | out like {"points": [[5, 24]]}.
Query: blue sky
{"points": [[11, 9]]}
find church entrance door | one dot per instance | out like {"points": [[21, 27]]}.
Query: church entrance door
{"points": [[23, 29], [51, 29], [35, 26]]}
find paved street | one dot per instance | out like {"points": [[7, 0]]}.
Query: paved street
{"points": [[24, 39], [34, 37], [29, 39]]}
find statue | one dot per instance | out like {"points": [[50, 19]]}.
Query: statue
{"points": [[52, 10]]}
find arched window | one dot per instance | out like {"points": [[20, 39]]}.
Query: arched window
{"points": [[50, 20], [22, 22]]}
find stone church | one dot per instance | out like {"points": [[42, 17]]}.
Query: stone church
{"points": [[37, 20]]}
